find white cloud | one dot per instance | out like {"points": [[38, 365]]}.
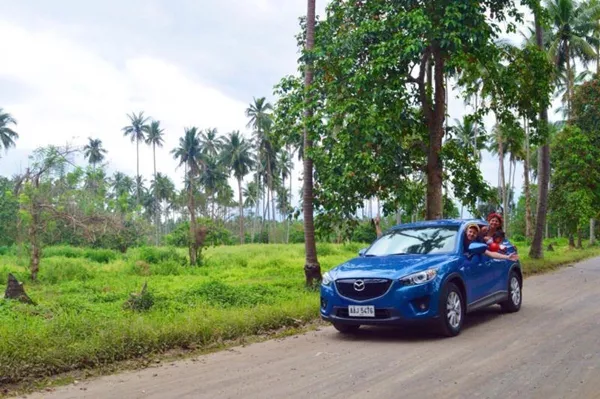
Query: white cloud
{"points": [[76, 94]]}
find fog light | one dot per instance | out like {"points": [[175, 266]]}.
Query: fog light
{"points": [[323, 303], [421, 304]]}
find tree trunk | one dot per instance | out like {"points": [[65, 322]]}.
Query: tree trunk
{"points": [[536, 250], [241, 212], [137, 186], [287, 238], [528, 221], [504, 194], [579, 238], [592, 231], [157, 218], [435, 121], [192, 210], [312, 268], [571, 240], [15, 290]]}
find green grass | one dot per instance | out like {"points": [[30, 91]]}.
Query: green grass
{"points": [[80, 321]]}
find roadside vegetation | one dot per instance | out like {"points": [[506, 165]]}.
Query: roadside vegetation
{"points": [[81, 319]]}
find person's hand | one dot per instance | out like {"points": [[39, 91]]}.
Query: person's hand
{"points": [[513, 256]]}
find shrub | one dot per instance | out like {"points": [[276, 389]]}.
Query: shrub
{"points": [[155, 255], [140, 302]]}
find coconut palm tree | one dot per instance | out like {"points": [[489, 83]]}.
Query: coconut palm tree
{"points": [[211, 142], [238, 157], [164, 189], [189, 154], [7, 135], [470, 135], [312, 268], [156, 139], [94, 152], [572, 38], [137, 131], [261, 120]]}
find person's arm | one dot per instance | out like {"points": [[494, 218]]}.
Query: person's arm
{"points": [[377, 220], [497, 255]]}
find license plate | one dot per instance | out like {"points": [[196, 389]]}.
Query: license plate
{"points": [[361, 311]]}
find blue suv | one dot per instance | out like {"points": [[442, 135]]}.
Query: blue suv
{"points": [[420, 272]]}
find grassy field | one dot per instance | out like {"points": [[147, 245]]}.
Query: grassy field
{"points": [[79, 321]]}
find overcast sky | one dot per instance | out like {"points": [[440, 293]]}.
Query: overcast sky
{"points": [[72, 69]]}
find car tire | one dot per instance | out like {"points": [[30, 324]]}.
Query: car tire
{"points": [[452, 310], [515, 294], [346, 328]]}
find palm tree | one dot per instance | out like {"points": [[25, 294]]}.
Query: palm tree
{"points": [[164, 189], [94, 152], [7, 135], [211, 142], [572, 38], [285, 166], [189, 154], [136, 130], [470, 135], [237, 155], [261, 120], [535, 251], [156, 139], [312, 268]]}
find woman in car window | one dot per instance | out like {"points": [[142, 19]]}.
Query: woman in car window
{"points": [[487, 232]]}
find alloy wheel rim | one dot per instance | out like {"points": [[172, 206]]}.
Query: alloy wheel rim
{"points": [[515, 290], [453, 310]]}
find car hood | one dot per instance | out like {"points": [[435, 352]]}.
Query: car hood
{"points": [[393, 266]]}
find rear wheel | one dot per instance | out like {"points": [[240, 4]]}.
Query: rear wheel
{"points": [[515, 294], [452, 310], [346, 328]]}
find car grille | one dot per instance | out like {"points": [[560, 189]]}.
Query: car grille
{"points": [[373, 288], [379, 314]]}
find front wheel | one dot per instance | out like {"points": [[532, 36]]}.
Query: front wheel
{"points": [[452, 310], [515, 294], [346, 328]]}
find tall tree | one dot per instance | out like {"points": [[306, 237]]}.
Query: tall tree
{"points": [[7, 135], [571, 38], [189, 153], [94, 152], [137, 132], [312, 268], [237, 155], [535, 251], [155, 138]]}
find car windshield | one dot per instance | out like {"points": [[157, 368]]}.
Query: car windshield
{"points": [[416, 240]]}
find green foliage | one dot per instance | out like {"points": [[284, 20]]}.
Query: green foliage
{"points": [[80, 320], [8, 213], [575, 190], [156, 255], [140, 302], [217, 234]]}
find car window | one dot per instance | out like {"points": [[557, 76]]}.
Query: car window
{"points": [[419, 240]]}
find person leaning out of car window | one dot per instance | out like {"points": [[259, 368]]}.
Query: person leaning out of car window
{"points": [[487, 232], [472, 234]]}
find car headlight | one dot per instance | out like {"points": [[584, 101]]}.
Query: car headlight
{"points": [[327, 280], [420, 277]]}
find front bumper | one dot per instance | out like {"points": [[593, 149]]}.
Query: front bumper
{"points": [[399, 305]]}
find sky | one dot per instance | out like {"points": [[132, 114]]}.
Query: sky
{"points": [[74, 69]]}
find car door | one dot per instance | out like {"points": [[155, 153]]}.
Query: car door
{"points": [[480, 276]]}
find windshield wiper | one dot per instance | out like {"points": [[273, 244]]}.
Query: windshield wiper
{"points": [[399, 253]]}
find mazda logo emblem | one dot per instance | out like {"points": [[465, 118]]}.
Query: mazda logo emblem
{"points": [[359, 285]]}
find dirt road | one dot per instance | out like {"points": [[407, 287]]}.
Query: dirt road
{"points": [[550, 349]]}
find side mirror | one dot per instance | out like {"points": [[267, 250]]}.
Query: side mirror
{"points": [[477, 248], [362, 252]]}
